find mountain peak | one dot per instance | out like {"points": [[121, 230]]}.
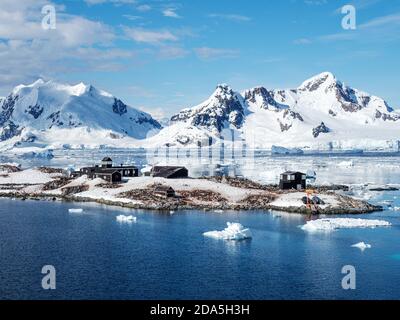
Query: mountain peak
{"points": [[321, 80], [223, 88]]}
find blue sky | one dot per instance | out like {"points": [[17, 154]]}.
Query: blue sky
{"points": [[162, 56]]}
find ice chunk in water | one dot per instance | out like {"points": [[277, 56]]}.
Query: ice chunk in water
{"points": [[126, 219], [332, 224], [362, 246], [234, 231], [75, 210]]}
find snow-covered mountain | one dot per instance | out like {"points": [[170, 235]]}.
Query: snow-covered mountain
{"points": [[57, 114], [321, 114]]}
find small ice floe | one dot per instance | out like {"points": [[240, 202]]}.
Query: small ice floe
{"points": [[219, 211], [172, 212], [395, 208], [75, 210], [126, 219], [362, 246], [347, 164], [332, 224], [234, 231]]}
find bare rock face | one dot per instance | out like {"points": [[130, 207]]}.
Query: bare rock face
{"points": [[322, 128], [67, 191], [223, 108], [386, 117]]}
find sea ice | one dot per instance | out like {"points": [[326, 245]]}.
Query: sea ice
{"points": [[362, 246], [234, 231], [333, 224], [75, 210], [347, 164], [126, 219], [285, 151]]}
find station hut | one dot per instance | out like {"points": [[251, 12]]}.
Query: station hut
{"points": [[106, 167], [293, 180], [111, 176], [164, 191]]}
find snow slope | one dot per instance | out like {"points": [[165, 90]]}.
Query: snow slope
{"points": [[55, 114], [321, 114]]}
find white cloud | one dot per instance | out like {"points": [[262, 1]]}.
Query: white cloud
{"points": [[171, 13], [302, 41], [389, 20], [76, 45], [384, 28], [116, 2], [132, 17], [144, 8], [172, 52], [150, 36], [231, 17], [207, 53], [315, 2]]}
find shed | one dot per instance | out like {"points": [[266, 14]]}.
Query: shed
{"points": [[111, 176], [170, 172], [293, 180], [164, 191]]}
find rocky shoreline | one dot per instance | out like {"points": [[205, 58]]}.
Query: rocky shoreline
{"points": [[208, 194], [347, 205]]}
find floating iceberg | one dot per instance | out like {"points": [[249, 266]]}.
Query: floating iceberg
{"points": [[362, 246], [333, 224], [126, 219], [285, 151], [234, 231], [46, 154], [75, 210]]}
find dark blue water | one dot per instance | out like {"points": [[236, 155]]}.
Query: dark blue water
{"points": [[166, 257]]}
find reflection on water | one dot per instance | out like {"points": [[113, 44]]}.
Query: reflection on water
{"points": [[260, 166]]}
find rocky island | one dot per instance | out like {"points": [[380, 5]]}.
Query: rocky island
{"points": [[212, 193]]}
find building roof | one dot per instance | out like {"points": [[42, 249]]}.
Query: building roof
{"points": [[107, 159], [163, 188], [293, 172], [125, 167], [166, 171]]}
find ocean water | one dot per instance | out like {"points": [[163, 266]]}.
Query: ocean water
{"points": [[166, 256]]}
